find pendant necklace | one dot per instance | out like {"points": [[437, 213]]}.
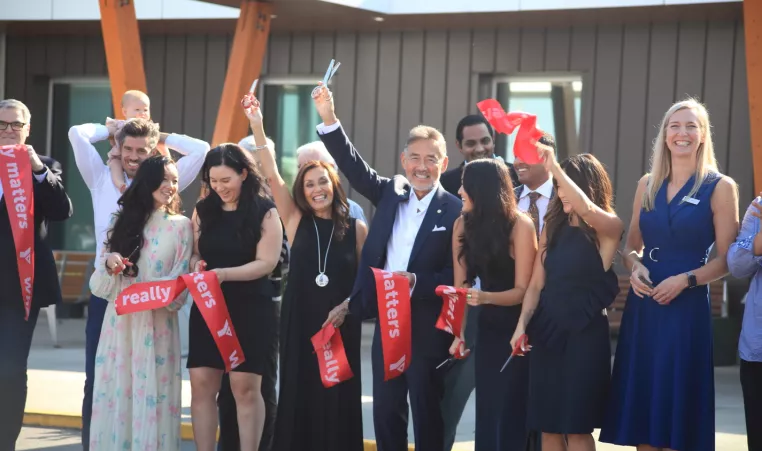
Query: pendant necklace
{"points": [[322, 280]]}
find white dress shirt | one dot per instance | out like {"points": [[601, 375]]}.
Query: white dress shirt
{"points": [[97, 174], [545, 190]]}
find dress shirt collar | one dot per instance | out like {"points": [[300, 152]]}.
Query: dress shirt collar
{"points": [[423, 203], [545, 190]]}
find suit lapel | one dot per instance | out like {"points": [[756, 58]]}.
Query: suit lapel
{"points": [[436, 209]]}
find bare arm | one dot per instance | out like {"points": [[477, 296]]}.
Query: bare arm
{"points": [[361, 231], [196, 257], [532, 295], [268, 253], [605, 223], [459, 266], [524, 241], [633, 247]]}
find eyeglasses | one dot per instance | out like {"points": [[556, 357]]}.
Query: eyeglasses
{"points": [[17, 126]]}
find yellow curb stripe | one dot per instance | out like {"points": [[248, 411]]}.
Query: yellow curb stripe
{"points": [[67, 421]]}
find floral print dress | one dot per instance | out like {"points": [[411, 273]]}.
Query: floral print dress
{"points": [[136, 398]]}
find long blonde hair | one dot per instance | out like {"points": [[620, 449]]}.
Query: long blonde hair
{"points": [[661, 161]]}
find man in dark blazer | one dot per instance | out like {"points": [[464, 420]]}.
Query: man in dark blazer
{"points": [[50, 203], [410, 234], [475, 138]]}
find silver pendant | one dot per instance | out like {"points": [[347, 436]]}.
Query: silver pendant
{"points": [[321, 280]]}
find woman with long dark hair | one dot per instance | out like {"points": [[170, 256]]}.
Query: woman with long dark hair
{"points": [[563, 312], [495, 242], [238, 236], [136, 401], [325, 250]]}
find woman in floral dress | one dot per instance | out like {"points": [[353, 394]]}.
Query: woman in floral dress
{"points": [[136, 401]]}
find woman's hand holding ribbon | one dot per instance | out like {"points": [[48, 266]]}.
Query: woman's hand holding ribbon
{"points": [[476, 297], [337, 315]]}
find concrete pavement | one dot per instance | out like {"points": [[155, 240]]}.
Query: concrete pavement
{"points": [[56, 381]]}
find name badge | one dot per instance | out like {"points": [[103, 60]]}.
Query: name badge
{"points": [[691, 200]]}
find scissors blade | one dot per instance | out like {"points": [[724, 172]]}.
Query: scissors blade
{"points": [[333, 72], [506, 362], [328, 72], [254, 86], [442, 364]]}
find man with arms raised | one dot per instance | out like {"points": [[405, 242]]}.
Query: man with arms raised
{"points": [[50, 203], [411, 235], [137, 146]]}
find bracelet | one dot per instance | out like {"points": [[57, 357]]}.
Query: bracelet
{"points": [[258, 148]]}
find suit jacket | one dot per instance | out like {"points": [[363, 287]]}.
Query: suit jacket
{"points": [[51, 203], [431, 255], [450, 180]]}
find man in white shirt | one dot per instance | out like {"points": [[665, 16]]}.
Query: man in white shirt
{"points": [[411, 235], [141, 137], [51, 203], [536, 189]]}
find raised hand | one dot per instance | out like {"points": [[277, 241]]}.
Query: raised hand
{"points": [[251, 107], [34, 159], [547, 156], [323, 99]]}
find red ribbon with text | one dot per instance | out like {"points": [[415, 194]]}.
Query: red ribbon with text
{"points": [[205, 290], [332, 358], [393, 298], [18, 190], [453, 309], [525, 144]]}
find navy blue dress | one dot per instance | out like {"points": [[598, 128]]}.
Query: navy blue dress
{"points": [[501, 398], [663, 379]]}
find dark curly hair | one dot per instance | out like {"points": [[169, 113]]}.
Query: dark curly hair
{"points": [[487, 227], [591, 177], [209, 209], [136, 206]]}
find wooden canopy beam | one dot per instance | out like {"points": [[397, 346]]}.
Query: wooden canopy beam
{"points": [[752, 17], [124, 56], [244, 66]]}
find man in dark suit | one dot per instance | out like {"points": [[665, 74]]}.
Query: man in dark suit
{"points": [[50, 203], [410, 234], [475, 138]]}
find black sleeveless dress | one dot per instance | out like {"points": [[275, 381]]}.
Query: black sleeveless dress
{"points": [[501, 398], [570, 368], [311, 416], [250, 303]]}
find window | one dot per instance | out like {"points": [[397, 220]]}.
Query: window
{"points": [[557, 102], [289, 120], [74, 102]]}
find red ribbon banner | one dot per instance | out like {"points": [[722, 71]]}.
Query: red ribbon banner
{"points": [[453, 308], [205, 290], [16, 177], [332, 358], [393, 298], [524, 146]]}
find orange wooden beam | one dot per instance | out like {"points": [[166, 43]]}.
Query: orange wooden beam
{"points": [[244, 66], [752, 17], [123, 53]]}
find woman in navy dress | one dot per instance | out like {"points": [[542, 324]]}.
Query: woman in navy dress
{"points": [[563, 312], [663, 381], [494, 241]]}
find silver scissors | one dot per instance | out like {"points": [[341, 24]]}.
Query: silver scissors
{"points": [[333, 66], [253, 86]]}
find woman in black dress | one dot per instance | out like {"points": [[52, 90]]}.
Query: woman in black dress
{"points": [[325, 250], [563, 312], [239, 237], [495, 242]]}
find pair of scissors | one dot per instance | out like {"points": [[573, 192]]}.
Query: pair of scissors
{"points": [[522, 345], [457, 356], [333, 66]]}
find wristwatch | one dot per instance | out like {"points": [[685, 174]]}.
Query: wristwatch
{"points": [[691, 279]]}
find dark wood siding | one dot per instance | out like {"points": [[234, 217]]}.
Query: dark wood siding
{"points": [[391, 81]]}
